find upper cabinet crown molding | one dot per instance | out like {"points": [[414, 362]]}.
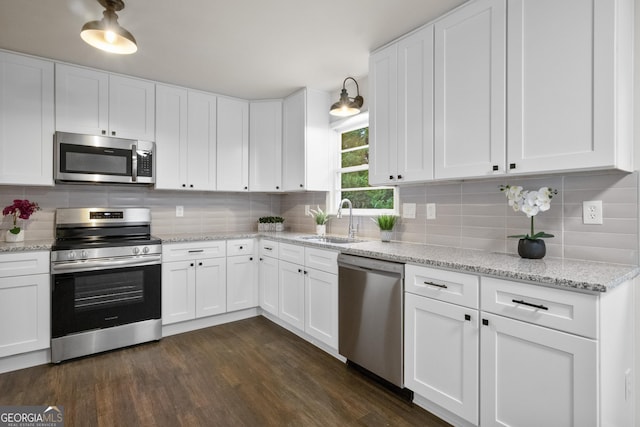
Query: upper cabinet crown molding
{"points": [[98, 103]]}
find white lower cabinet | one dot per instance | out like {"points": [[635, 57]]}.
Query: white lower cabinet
{"points": [[441, 339], [291, 286], [535, 376], [268, 277], [308, 288], [194, 280], [530, 356], [24, 302], [242, 275]]}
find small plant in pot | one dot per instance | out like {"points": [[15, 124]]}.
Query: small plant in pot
{"points": [[20, 209], [531, 203], [386, 224], [321, 218]]}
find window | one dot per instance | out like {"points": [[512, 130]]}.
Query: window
{"points": [[352, 177]]}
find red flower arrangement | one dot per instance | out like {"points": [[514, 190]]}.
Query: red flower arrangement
{"points": [[22, 209]]}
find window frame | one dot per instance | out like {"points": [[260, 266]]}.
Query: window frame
{"points": [[333, 197]]}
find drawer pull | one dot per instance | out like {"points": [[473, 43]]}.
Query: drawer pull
{"points": [[267, 248], [540, 306], [437, 285], [193, 251]]}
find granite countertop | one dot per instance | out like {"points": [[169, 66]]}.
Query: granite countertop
{"points": [[569, 274]]}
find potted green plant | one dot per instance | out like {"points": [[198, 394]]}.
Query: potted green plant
{"points": [[386, 224], [321, 218], [279, 223]]}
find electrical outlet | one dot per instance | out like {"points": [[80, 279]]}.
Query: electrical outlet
{"points": [[592, 212], [306, 209], [431, 211], [179, 211]]}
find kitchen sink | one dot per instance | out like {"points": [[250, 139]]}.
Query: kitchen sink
{"points": [[330, 239]]}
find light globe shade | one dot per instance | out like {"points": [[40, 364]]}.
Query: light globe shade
{"points": [[110, 38], [340, 109]]}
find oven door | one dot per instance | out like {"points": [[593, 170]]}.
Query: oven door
{"points": [[102, 298]]}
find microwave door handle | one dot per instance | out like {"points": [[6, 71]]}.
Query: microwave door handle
{"points": [[134, 163]]}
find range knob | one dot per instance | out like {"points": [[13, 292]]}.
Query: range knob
{"points": [[136, 250], [84, 254], [145, 250], [71, 255]]}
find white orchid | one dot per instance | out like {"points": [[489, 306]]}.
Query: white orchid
{"points": [[530, 202]]}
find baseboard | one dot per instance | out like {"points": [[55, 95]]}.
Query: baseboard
{"points": [[206, 322], [25, 360]]}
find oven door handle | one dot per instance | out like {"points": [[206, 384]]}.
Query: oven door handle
{"points": [[103, 264]]}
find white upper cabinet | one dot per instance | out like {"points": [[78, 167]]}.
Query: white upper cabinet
{"points": [[305, 159], [569, 86], [232, 145], [201, 152], [98, 103], [401, 111], [470, 85], [26, 120], [185, 139], [171, 137], [265, 146]]}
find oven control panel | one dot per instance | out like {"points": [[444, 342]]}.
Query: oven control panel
{"points": [[105, 252]]}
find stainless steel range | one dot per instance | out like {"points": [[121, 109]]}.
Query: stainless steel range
{"points": [[106, 281]]}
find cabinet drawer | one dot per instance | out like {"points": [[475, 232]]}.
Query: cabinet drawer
{"points": [[23, 263], [443, 285], [568, 311], [240, 247], [291, 253], [321, 259], [193, 250], [268, 248]]}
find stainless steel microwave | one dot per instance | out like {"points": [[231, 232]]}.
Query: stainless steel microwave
{"points": [[103, 159]]}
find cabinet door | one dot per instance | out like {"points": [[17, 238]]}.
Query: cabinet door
{"points": [[321, 307], [201, 150], [470, 91], [26, 120], [82, 100], [268, 284], [534, 376], [171, 137], [561, 94], [441, 354], [383, 125], [178, 291], [293, 142], [242, 283], [415, 107], [131, 108], [211, 287], [232, 145], [291, 289], [265, 143], [24, 305]]}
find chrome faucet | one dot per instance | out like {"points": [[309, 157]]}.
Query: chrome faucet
{"points": [[352, 230]]}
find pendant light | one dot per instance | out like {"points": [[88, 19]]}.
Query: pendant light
{"points": [[346, 106], [107, 34]]}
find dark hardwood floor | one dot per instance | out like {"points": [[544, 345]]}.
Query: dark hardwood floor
{"points": [[246, 373]]}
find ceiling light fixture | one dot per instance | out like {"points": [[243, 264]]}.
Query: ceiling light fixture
{"points": [[346, 106], [107, 34]]}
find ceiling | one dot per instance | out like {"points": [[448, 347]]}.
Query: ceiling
{"points": [[252, 49]]}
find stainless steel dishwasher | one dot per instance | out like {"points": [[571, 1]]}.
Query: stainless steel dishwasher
{"points": [[370, 301]]}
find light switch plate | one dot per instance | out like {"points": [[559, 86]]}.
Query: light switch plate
{"points": [[431, 211], [409, 210], [179, 211]]}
